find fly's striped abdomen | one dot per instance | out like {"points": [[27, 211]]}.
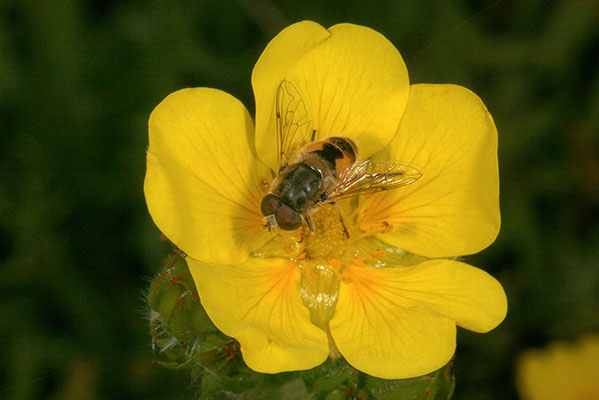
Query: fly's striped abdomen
{"points": [[346, 145], [337, 152]]}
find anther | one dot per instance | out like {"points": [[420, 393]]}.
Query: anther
{"points": [[379, 253], [263, 184], [358, 262], [382, 227]]}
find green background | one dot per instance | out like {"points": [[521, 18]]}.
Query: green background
{"points": [[78, 80]]}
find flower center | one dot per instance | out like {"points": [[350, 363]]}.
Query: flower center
{"points": [[337, 241], [330, 236], [321, 266]]}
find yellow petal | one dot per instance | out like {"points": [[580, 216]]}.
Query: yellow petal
{"points": [[397, 323], [453, 209], [259, 304], [352, 80], [203, 183]]}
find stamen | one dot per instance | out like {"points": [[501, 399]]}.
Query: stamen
{"points": [[264, 185], [383, 227], [379, 253], [359, 262]]}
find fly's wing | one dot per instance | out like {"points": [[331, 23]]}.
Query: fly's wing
{"points": [[373, 176], [293, 122]]}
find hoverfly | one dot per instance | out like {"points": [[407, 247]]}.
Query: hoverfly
{"points": [[312, 173]]}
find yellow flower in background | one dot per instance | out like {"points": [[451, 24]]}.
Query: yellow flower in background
{"points": [[378, 280], [562, 371]]}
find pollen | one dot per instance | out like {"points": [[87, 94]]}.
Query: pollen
{"points": [[329, 239]]}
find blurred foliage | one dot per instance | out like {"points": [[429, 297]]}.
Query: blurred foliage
{"points": [[78, 80]]}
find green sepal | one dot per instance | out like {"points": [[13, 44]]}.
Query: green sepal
{"points": [[332, 380], [438, 385], [215, 386], [188, 318], [186, 339], [172, 281], [167, 345], [337, 380]]}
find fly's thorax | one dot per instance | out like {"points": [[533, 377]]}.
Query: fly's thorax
{"points": [[299, 187]]}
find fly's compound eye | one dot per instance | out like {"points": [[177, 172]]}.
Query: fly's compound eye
{"points": [[269, 204], [287, 218]]}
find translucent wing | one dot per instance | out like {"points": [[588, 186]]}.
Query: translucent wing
{"points": [[293, 122], [372, 176]]}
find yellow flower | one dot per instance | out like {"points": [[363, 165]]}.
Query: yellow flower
{"points": [[562, 371], [378, 280]]}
